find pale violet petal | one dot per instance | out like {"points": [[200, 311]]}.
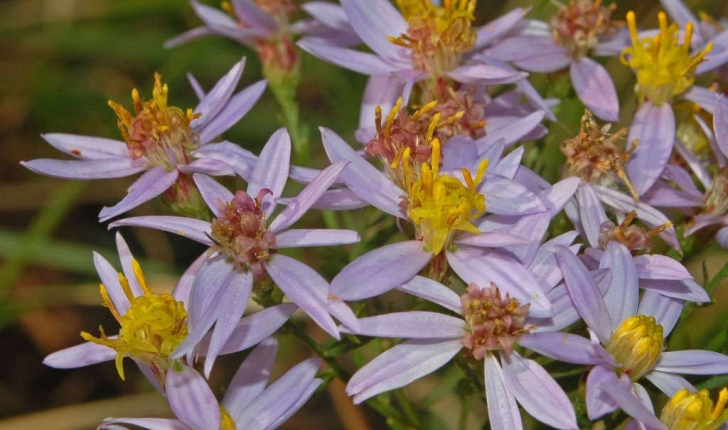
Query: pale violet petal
{"points": [[191, 398], [400, 365], [85, 354], [194, 229], [583, 291], [151, 184], [298, 206], [374, 21], [87, 147], [666, 310], [510, 276], [315, 237], [654, 126], [350, 59], [380, 270], [564, 347], [236, 108], [229, 312], [433, 291], [86, 169], [213, 193], [623, 293], [595, 88], [502, 407], [413, 325], [537, 392], [217, 97], [692, 362], [271, 170], [305, 287], [251, 378], [254, 328]]}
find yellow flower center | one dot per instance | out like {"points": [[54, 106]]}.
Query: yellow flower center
{"points": [[439, 204], [695, 411], [151, 329], [159, 132], [226, 421], [636, 345], [664, 68], [437, 35]]}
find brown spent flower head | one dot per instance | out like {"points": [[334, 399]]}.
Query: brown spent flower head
{"points": [[451, 113], [496, 323], [578, 25], [159, 132], [594, 156], [241, 233], [634, 237]]}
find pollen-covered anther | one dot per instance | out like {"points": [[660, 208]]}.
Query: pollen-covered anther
{"points": [[634, 237], [439, 205], [578, 25], [664, 67], [241, 234], [695, 410], [636, 345], [151, 329], [156, 131], [594, 155], [495, 322], [437, 35]]}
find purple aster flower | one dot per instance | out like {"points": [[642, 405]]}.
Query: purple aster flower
{"points": [[243, 245], [160, 140], [153, 325], [435, 338], [626, 343], [446, 233], [664, 70], [247, 404], [578, 30], [402, 45]]}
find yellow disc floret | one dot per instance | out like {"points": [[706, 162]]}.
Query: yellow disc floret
{"points": [[437, 35], [440, 204], [636, 345], [159, 132], [151, 329], [664, 68], [695, 411]]}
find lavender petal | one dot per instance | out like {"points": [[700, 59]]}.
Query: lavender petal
{"points": [[380, 270], [151, 184], [305, 287], [595, 88]]}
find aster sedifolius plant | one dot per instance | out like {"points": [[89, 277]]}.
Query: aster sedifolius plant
{"points": [[494, 233]]}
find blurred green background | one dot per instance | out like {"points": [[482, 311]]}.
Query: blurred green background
{"points": [[61, 61]]}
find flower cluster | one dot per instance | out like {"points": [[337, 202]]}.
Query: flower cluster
{"points": [[481, 260]]}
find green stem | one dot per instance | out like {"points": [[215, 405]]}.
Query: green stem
{"points": [[286, 97], [407, 407], [464, 408]]}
